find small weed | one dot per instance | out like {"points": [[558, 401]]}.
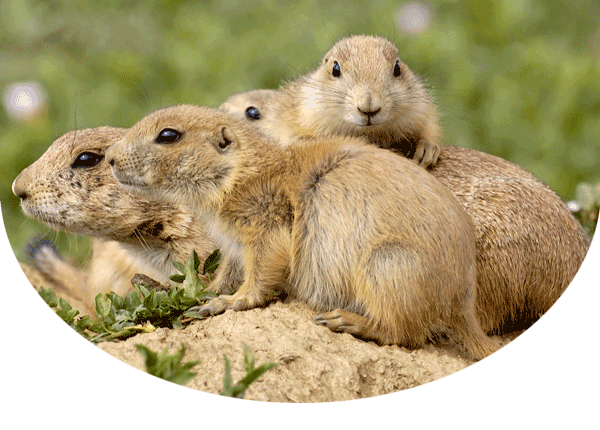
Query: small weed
{"points": [[167, 366], [142, 310], [252, 374]]}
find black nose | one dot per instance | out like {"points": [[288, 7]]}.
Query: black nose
{"points": [[370, 113], [22, 195], [111, 161]]}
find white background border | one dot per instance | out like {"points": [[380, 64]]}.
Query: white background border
{"points": [[50, 375]]}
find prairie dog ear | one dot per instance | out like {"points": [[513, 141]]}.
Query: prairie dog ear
{"points": [[226, 140]]}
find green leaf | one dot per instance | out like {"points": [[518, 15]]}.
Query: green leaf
{"points": [[248, 358], [140, 310], [68, 316], [252, 374], [102, 305], [65, 306], [179, 266], [49, 296], [211, 263], [168, 366], [227, 380], [193, 261], [177, 278], [133, 299]]}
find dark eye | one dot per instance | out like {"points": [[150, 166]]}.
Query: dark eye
{"points": [[336, 72], [397, 71], [86, 159], [167, 135], [252, 113]]}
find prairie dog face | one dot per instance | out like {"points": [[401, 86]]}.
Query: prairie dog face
{"points": [[71, 187], [250, 106], [363, 88], [183, 154], [71, 184], [260, 109]]}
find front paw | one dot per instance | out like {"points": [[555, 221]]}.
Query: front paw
{"points": [[426, 153], [220, 304]]}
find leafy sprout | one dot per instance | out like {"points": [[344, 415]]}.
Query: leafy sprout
{"points": [[168, 366], [141, 310], [252, 374]]}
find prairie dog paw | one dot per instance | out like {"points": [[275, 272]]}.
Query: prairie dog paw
{"points": [[426, 153], [220, 304], [341, 321]]}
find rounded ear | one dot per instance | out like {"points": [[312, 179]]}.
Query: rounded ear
{"points": [[226, 141]]}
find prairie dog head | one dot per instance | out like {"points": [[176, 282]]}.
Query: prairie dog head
{"points": [[251, 105], [363, 88], [183, 154], [261, 110], [71, 187], [70, 183]]}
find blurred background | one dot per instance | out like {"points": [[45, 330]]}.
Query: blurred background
{"points": [[515, 78]]}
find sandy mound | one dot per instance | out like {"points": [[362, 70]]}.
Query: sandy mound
{"points": [[313, 363]]}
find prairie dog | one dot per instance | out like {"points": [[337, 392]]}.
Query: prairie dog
{"points": [[71, 187], [362, 88], [365, 236], [529, 247]]}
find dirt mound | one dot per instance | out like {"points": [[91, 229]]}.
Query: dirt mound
{"points": [[313, 363]]}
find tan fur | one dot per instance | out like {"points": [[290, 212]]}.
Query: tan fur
{"points": [[322, 105], [269, 122], [129, 235], [315, 220], [529, 247]]}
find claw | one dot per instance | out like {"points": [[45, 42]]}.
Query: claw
{"points": [[201, 310], [320, 319]]}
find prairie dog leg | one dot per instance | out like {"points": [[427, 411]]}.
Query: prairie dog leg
{"points": [[265, 271], [229, 275]]}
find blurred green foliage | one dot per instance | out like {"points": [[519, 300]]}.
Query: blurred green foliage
{"points": [[586, 206], [516, 78]]}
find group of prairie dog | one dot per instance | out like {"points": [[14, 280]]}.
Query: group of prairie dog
{"points": [[311, 189]]}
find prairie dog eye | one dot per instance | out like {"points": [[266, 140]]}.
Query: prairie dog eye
{"points": [[252, 113], [86, 159], [397, 71], [167, 135], [336, 72]]}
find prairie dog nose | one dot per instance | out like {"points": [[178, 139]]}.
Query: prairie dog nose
{"points": [[18, 187], [368, 103], [370, 112]]}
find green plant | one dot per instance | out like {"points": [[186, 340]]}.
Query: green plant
{"points": [[64, 310], [141, 310], [167, 366], [252, 374]]}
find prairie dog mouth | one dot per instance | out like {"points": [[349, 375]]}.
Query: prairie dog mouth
{"points": [[128, 180]]}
